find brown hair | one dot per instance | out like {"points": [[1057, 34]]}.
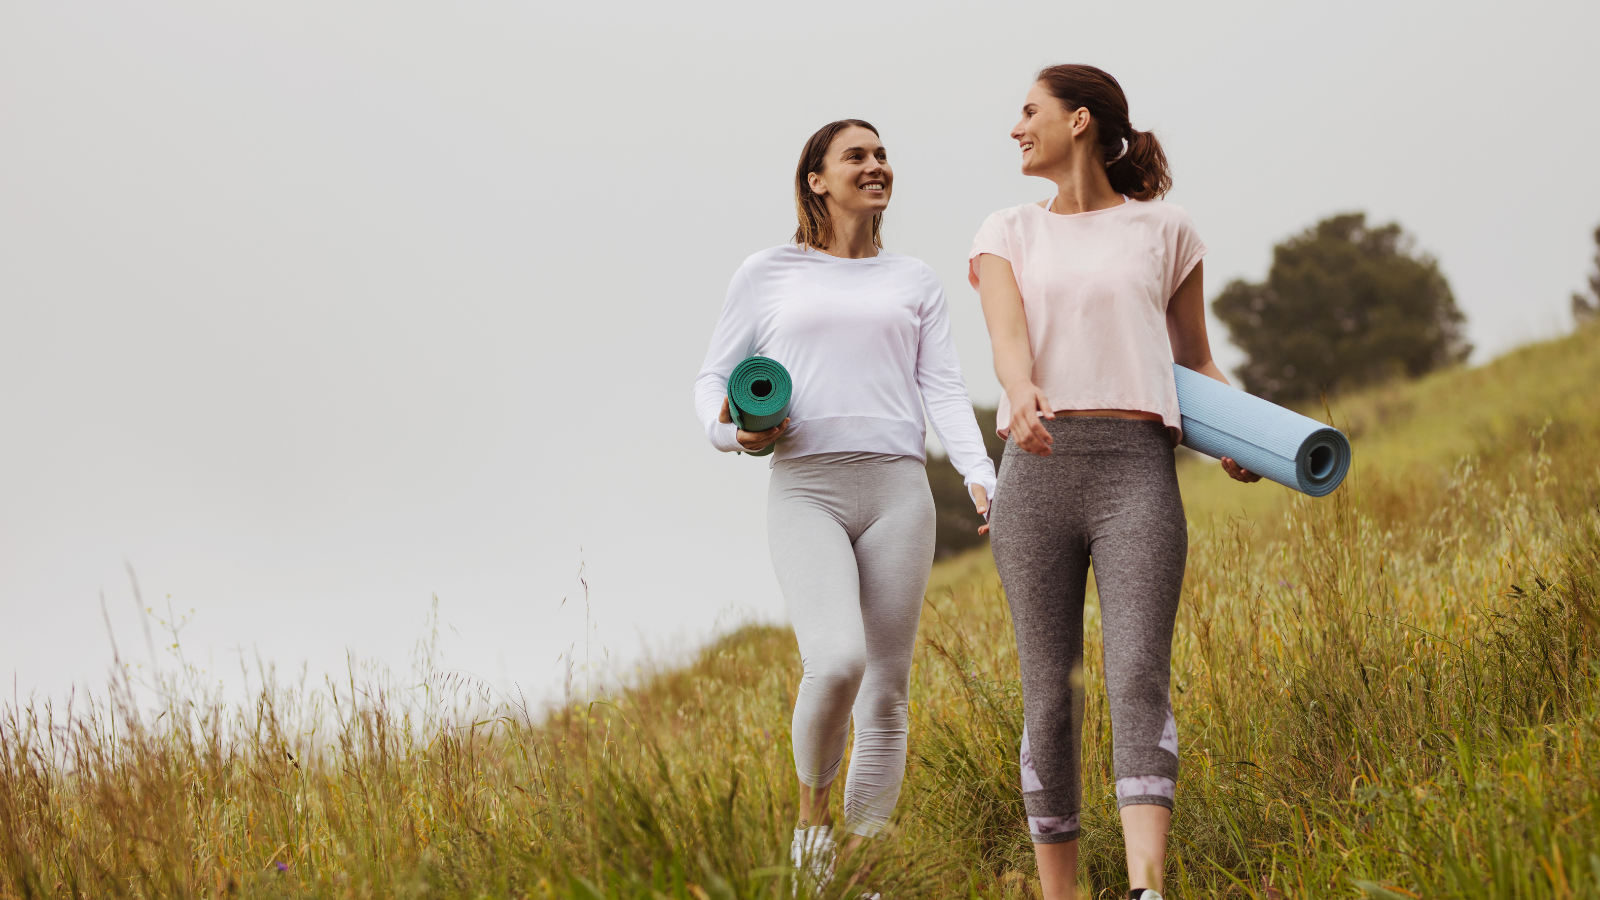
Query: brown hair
{"points": [[816, 229], [1141, 171]]}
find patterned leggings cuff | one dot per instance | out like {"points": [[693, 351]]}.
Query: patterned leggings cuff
{"points": [[1053, 829], [1143, 790], [1145, 800]]}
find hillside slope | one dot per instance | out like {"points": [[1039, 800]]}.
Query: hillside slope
{"points": [[1389, 692]]}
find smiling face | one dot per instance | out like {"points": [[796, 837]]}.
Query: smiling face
{"points": [[856, 177], [1048, 133]]}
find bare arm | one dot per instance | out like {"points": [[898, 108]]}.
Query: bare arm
{"points": [[1013, 355], [1191, 347], [1186, 326]]}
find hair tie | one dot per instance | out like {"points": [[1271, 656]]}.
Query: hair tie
{"points": [[1125, 146]]}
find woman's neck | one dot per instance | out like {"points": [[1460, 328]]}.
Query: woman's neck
{"points": [[852, 236], [1083, 187]]}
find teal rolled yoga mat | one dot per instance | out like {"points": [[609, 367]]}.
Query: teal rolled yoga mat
{"points": [[1275, 443], [759, 390]]}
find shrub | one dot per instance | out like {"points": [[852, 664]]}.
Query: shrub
{"points": [[1344, 305]]}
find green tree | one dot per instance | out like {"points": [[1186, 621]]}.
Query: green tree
{"points": [[1344, 304], [1586, 309]]}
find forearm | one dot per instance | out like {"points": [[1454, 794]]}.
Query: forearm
{"points": [[1008, 323], [1186, 327], [944, 394], [731, 341], [1013, 361], [1200, 362], [709, 391], [1210, 370], [958, 433]]}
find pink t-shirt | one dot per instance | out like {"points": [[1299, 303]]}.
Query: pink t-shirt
{"points": [[1095, 287]]}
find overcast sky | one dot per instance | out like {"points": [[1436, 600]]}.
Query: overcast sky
{"points": [[310, 312]]}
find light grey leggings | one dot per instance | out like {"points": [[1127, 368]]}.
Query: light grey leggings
{"points": [[1108, 491], [852, 544]]}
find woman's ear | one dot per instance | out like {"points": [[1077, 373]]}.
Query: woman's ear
{"points": [[818, 186], [1080, 119]]}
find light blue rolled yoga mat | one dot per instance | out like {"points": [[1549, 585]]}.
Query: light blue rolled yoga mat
{"points": [[759, 390], [1275, 443]]}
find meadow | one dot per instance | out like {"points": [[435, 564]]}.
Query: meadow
{"points": [[1392, 692]]}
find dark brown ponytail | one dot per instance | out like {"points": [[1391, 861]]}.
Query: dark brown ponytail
{"points": [[1140, 170]]}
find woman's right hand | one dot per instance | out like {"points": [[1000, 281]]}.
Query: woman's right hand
{"points": [[753, 440], [1027, 404], [1013, 354]]}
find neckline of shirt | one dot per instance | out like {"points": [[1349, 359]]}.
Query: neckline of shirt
{"points": [[814, 253], [1126, 202]]}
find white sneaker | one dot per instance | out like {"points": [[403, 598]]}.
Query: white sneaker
{"points": [[813, 854], [1146, 894]]}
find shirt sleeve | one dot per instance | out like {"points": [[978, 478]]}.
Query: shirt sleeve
{"points": [[730, 344], [993, 238], [1185, 249], [944, 393]]}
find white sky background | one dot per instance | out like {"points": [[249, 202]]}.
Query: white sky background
{"points": [[310, 311]]}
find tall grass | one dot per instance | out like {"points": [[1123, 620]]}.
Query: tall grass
{"points": [[1390, 692]]}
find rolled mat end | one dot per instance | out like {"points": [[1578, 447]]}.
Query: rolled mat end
{"points": [[1323, 461], [759, 391], [1278, 444]]}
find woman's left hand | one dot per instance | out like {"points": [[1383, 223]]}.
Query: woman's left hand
{"points": [[1238, 472], [980, 499]]}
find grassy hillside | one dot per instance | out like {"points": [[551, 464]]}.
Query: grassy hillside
{"points": [[1390, 692]]}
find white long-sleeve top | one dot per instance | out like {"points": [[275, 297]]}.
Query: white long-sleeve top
{"points": [[867, 343]]}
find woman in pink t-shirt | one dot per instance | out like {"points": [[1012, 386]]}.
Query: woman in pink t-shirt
{"points": [[1090, 297]]}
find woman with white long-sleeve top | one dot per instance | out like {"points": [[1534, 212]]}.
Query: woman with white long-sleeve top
{"points": [[865, 335]]}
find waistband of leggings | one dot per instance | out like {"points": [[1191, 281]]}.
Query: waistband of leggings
{"points": [[846, 459], [1077, 435]]}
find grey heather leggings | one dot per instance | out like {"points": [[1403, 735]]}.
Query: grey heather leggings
{"points": [[1109, 492], [852, 543]]}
